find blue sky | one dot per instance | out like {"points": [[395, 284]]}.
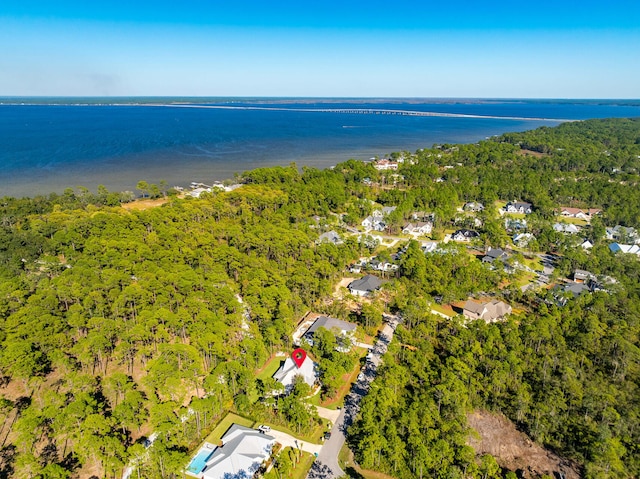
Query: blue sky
{"points": [[543, 49]]}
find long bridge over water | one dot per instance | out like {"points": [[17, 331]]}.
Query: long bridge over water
{"points": [[360, 111]]}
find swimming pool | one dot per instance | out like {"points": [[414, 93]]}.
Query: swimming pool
{"points": [[199, 461]]}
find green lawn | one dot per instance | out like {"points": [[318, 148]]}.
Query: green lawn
{"points": [[313, 437], [440, 309], [270, 367], [224, 424], [535, 263], [526, 278], [268, 370], [574, 221], [300, 468], [515, 215]]}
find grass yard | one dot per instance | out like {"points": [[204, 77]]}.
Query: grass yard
{"points": [[299, 470], [573, 221], [270, 367], [526, 278], [535, 263], [353, 470], [515, 215], [224, 424], [266, 371], [441, 309], [314, 437]]}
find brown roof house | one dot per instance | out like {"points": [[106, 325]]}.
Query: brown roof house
{"points": [[491, 312]]}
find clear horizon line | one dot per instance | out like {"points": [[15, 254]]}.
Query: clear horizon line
{"points": [[330, 97]]}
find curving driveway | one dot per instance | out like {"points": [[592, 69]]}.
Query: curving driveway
{"points": [[287, 440]]}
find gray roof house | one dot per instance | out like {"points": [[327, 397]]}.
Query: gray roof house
{"points": [[384, 211], [473, 206], [494, 254], [330, 237], [242, 452], [464, 235], [581, 276], [365, 285], [518, 207], [419, 228], [490, 312], [337, 326], [331, 324]]}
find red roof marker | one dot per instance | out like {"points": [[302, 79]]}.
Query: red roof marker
{"points": [[298, 356]]}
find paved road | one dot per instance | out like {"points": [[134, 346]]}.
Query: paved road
{"points": [[326, 465]]}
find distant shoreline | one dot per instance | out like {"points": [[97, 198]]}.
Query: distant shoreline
{"points": [[364, 111], [51, 144]]}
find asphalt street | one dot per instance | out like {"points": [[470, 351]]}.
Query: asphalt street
{"points": [[326, 465]]}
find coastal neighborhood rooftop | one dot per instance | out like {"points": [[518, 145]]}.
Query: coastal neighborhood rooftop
{"points": [[240, 454], [331, 324], [491, 311], [365, 285], [289, 370]]}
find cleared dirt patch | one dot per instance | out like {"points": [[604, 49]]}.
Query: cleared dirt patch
{"points": [[514, 450], [537, 154], [140, 205]]}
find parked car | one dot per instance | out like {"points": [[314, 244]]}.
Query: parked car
{"points": [[264, 429]]}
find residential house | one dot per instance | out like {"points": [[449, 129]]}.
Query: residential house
{"points": [[566, 228], [582, 276], [240, 455], [383, 266], [515, 224], [384, 211], [473, 206], [576, 289], [523, 239], [341, 329], [419, 228], [586, 244], [365, 286], [464, 235], [355, 268], [583, 214], [562, 293], [385, 164], [330, 237], [289, 370], [623, 234], [495, 254], [625, 248], [518, 207], [423, 216], [492, 311], [429, 247], [373, 223]]}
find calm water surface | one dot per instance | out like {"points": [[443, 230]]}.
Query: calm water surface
{"points": [[50, 144]]}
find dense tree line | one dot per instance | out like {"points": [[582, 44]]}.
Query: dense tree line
{"points": [[568, 377]]}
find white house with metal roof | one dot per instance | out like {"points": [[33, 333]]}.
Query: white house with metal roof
{"points": [[241, 453], [289, 370]]}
